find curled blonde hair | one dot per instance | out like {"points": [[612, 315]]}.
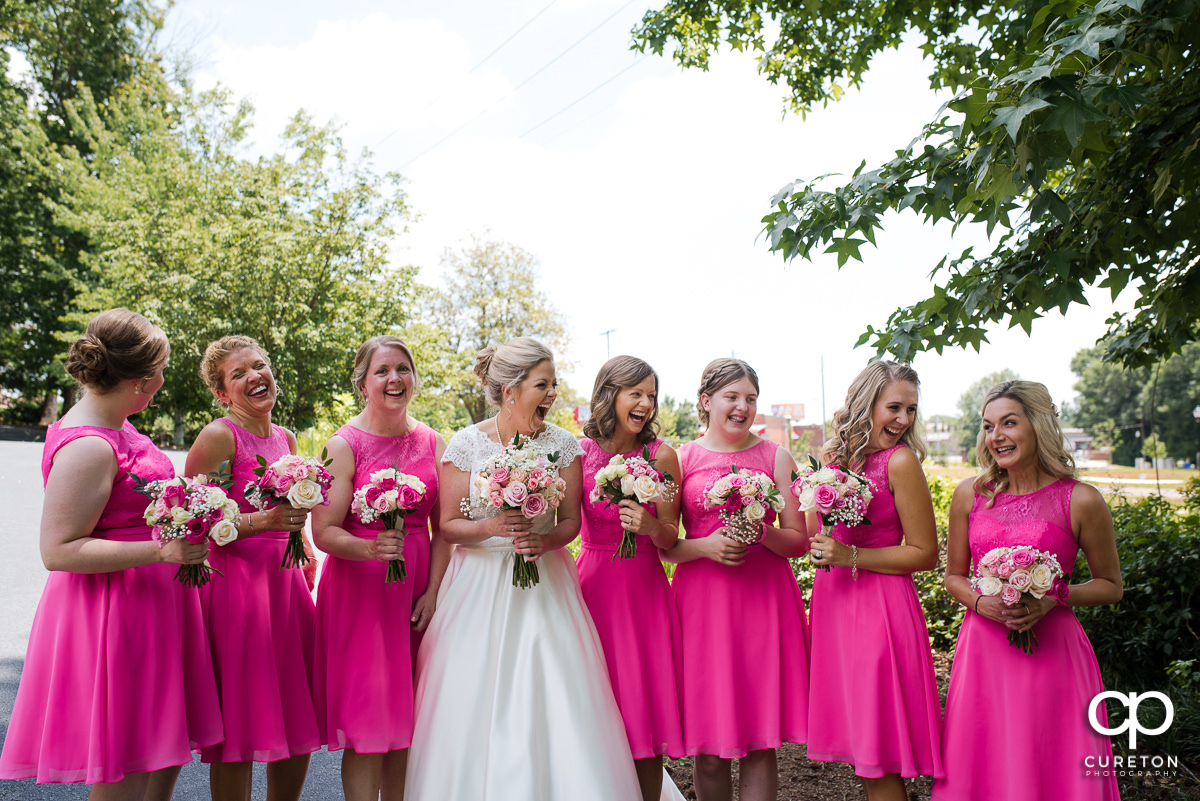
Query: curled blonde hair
{"points": [[1053, 458], [366, 352], [719, 374], [854, 422], [212, 364], [617, 374], [506, 366]]}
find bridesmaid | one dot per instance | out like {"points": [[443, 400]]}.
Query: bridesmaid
{"points": [[117, 687], [873, 699], [630, 599], [260, 618], [1026, 494], [368, 629], [745, 640]]}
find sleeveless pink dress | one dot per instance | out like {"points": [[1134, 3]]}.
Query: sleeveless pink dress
{"points": [[261, 624], [365, 643], [631, 604], [118, 676], [878, 709], [745, 639], [1056, 683]]}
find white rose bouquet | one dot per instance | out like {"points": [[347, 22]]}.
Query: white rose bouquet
{"points": [[1013, 572], [744, 498], [632, 479], [301, 481], [196, 508], [517, 478], [389, 496], [837, 495]]}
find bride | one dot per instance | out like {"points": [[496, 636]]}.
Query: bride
{"points": [[513, 698]]}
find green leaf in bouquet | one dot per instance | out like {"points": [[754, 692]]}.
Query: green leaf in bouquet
{"points": [[553, 457], [326, 459], [813, 463], [222, 476], [141, 485]]}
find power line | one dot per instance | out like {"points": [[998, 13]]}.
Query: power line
{"points": [[583, 96], [509, 39], [514, 90], [596, 113]]}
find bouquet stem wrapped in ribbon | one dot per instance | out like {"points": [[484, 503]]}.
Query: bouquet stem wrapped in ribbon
{"points": [[517, 478], [836, 494], [1014, 572], [744, 497], [196, 508], [389, 496], [632, 479], [301, 481]]}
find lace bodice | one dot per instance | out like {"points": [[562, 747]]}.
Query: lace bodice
{"points": [[602, 521], [1041, 519], [413, 453], [471, 447], [247, 447], [700, 467], [885, 527]]}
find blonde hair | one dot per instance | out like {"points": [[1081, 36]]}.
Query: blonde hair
{"points": [[366, 352], [118, 345], [212, 364], [618, 373], [854, 422], [719, 374], [1053, 458], [506, 366]]}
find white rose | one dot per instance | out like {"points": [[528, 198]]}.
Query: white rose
{"points": [[765, 482], [180, 515], [304, 494], [617, 460], [231, 510], [223, 533], [755, 511], [807, 500], [627, 485], [150, 516], [380, 475], [1043, 578], [392, 495], [215, 497], [644, 488], [823, 476], [989, 585]]}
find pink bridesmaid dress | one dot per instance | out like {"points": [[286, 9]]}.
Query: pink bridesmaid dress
{"points": [[365, 643], [878, 706], [118, 676], [745, 639], [1052, 687], [631, 604], [261, 623]]}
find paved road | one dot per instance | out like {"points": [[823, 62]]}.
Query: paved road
{"points": [[21, 580]]}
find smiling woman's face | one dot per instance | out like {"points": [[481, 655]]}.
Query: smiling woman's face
{"points": [[530, 402]]}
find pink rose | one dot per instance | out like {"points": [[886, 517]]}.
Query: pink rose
{"points": [[737, 481], [371, 495], [196, 529], [282, 484], [1004, 569], [533, 506], [297, 469], [1020, 580], [1062, 591], [825, 496], [990, 560], [1023, 557], [387, 484], [518, 475], [409, 497], [499, 476], [381, 503], [173, 495], [515, 494], [746, 500], [215, 515], [1010, 595]]}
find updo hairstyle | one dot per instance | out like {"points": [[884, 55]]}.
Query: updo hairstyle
{"points": [[366, 352], [212, 365], [719, 374], [854, 422], [618, 373], [118, 345], [506, 366], [1053, 458]]}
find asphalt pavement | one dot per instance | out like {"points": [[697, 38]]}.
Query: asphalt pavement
{"points": [[22, 578]]}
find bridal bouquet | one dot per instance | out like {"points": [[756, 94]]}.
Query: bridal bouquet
{"points": [[517, 478], [301, 481], [632, 479], [195, 508], [1013, 572], [743, 496], [837, 495], [388, 496]]}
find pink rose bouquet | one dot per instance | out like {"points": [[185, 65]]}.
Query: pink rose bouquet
{"points": [[744, 498], [389, 496], [196, 508], [837, 495], [301, 481], [632, 479], [1013, 572], [517, 477]]}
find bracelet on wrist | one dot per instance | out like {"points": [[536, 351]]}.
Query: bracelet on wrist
{"points": [[978, 598], [250, 521], [854, 562]]}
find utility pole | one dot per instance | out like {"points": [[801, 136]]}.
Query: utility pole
{"points": [[607, 343]]}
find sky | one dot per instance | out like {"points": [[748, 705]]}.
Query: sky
{"points": [[639, 186]]}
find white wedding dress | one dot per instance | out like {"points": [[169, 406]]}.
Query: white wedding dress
{"points": [[513, 700]]}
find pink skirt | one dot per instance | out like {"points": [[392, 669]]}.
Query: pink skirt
{"points": [[634, 611]]}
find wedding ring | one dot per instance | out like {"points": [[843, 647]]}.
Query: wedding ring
{"points": [[818, 554]]}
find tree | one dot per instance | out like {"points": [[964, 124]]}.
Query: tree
{"points": [[290, 249], [1072, 130], [490, 296], [970, 405], [677, 420]]}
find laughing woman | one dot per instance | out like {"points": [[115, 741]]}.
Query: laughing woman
{"points": [[367, 628], [873, 699], [745, 640], [630, 599], [260, 617]]}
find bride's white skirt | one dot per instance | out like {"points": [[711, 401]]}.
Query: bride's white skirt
{"points": [[513, 699]]}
